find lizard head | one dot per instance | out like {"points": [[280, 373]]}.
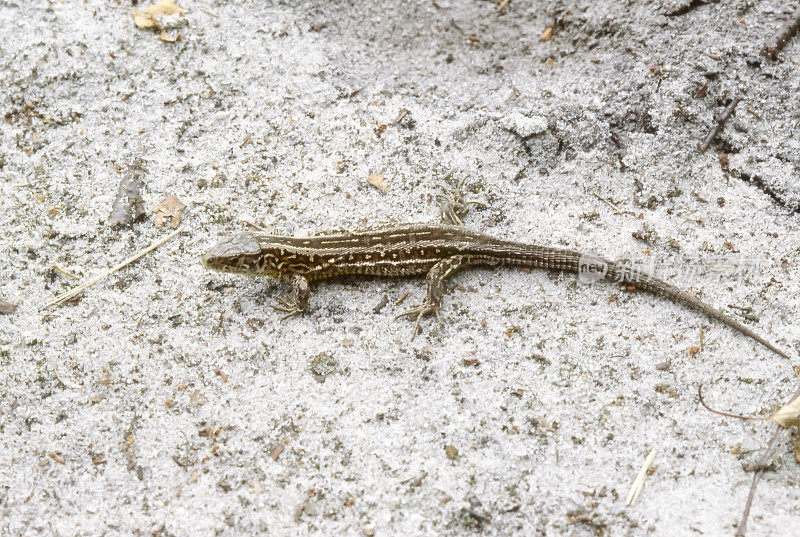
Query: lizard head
{"points": [[240, 254]]}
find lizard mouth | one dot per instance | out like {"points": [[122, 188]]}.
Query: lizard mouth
{"points": [[211, 260]]}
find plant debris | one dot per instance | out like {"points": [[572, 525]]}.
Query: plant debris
{"points": [[378, 181], [128, 205], [638, 483], [75, 291], [170, 207], [147, 18], [775, 44], [789, 415], [719, 122], [276, 451]]}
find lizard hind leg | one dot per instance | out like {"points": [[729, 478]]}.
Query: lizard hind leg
{"points": [[435, 280]]}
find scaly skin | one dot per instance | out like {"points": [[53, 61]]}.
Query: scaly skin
{"points": [[413, 249]]}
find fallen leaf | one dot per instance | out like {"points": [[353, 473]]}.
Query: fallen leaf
{"points": [[451, 452], [147, 18], [788, 415], [547, 34], [128, 205], [143, 20], [56, 456], [378, 181], [170, 207], [165, 7], [164, 36]]}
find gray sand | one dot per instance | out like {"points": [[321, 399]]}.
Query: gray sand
{"points": [[170, 400]]}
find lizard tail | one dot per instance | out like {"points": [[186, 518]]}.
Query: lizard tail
{"points": [[642, 280]]}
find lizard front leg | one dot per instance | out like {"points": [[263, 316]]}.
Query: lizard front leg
{"points": [[435, 280], [297, 301]]}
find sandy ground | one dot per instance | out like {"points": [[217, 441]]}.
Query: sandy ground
{"points": [[170, 400]]}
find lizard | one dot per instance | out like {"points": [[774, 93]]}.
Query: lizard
{"points": [[435, 250]]}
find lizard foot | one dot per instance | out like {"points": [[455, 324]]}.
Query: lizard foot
{"points": [[420, 311], [287, 306]]}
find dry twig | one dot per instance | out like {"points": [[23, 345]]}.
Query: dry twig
{"points": [[75, 291], [638, 483], [774, 45], [762, 464], [722, 413], [719, 123]]}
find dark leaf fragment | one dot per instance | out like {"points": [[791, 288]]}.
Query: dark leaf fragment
{"points": [[128, 205]]}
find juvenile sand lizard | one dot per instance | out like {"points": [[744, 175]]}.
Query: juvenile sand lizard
{"points": [[413, 249]]}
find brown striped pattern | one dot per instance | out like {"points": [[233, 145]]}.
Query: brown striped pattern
{"points": [[418, 249]]}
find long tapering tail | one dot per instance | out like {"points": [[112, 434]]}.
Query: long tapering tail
{"points": [[625, 274]]}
